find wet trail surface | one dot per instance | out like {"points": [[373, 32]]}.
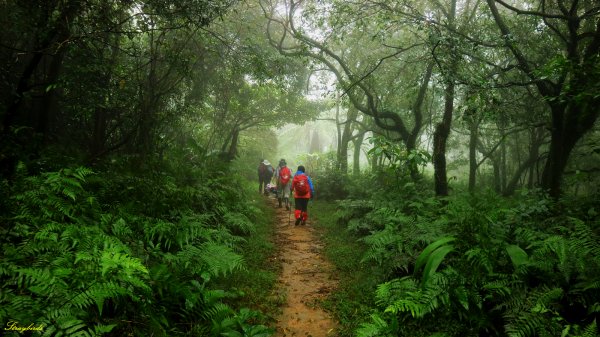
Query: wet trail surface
{"points": [[306, 278]]}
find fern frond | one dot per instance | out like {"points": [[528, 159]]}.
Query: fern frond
{"points": [[239, 223], [533, 315], [388, 292], [546, 296], [217, 312], [479, 260], [17, 307], [497, 289], [382, 245], [61, 312], [530, 325], [67, 326], [96, 294], [130, 269], [160, 232], [38, 281], [405, 296], [213, 296], [193, 230], [377, 327], [82, 173], [591, 330], [120, 228], [220, 259]]}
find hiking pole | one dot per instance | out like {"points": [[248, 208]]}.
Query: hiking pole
{"points": [[289, 212]]}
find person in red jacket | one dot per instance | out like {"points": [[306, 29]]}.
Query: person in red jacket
{"points": [[302, 187], [283, 176]]}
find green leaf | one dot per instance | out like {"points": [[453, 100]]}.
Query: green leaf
{"points": [[421, 260], [434, 261], [517, 255]]}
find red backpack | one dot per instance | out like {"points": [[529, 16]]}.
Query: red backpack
{"points": [[301, 185], [284, 175]]}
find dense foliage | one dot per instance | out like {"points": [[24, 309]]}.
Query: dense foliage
{"points": [[129, 130], [120, 199], [515, 81], [86, 254], [475, 264]]}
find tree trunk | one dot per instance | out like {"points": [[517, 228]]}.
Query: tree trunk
{"points": [[357, 147], [442, 130], [57, 33], [232, 153], [374, 161], [563, 139], [440, 137], [49, 107], [502, 154], [315, 143], [511, 186], [411, 140], [497, 179], [536, 135], [343, 155], [98, 141], [227, 142], [338, 128], [574, 108], [565, 134], [149, 102], [345, 140], [473, 140]]}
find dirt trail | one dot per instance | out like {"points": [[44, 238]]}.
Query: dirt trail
{"points": [[306, 278]]}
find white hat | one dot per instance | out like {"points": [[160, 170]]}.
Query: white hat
{"points": [[266, 162]]}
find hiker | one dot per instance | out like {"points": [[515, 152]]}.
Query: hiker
{"points": [[261, 176], [283, 178], [302, 187], [267, 175]]}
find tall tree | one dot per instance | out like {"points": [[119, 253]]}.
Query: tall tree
{"points": [[442, 129], [565, 70], [361, 76], [38, 86]]}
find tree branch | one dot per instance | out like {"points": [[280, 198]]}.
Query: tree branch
{"points": [[535, 13], [546, 87]]}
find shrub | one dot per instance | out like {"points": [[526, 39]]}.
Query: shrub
{"points": [[479, 265], [89, 264]]}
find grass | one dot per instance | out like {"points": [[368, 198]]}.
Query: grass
{"points": [[257, 281], [353, 299]]}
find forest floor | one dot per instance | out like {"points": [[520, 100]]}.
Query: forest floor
{"points": [[306, 278]]}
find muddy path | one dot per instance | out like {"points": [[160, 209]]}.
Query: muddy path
{"points": [[306, 278]]}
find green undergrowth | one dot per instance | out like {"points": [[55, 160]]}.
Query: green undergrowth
{"points": [[353, 299], [479, 265], [465, 265], [258, 279], [157, 252]]}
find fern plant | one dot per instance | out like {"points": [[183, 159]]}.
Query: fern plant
{"points": [[83, 266], [491, 277]]}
